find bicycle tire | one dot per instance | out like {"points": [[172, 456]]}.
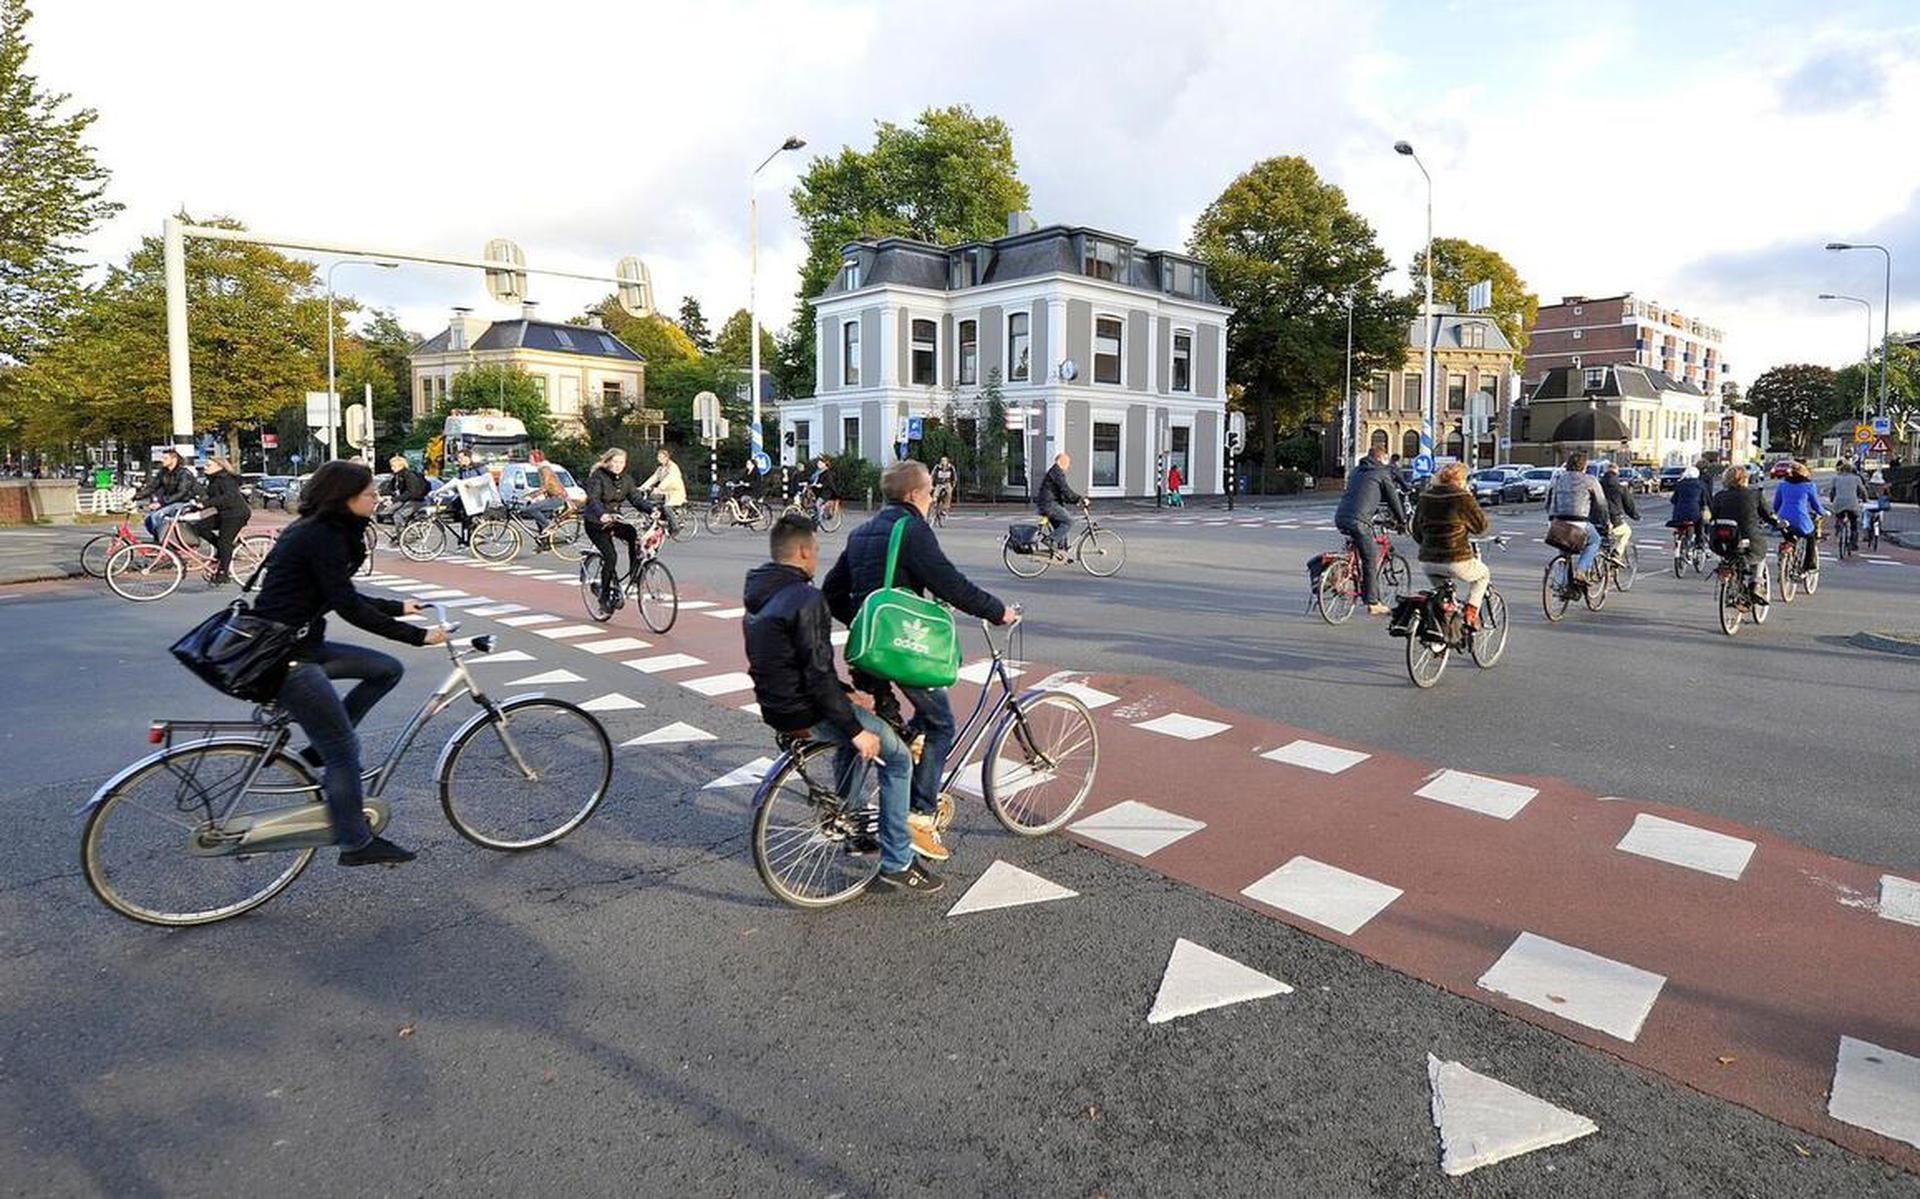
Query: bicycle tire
{"points": [[423, 540], [1025, 566], [170, 845], [1396, 576], [575, 738], [495, 539], [1789, 577], [1679, 562], [566, 537], [831, 518], [1101, 552], [654, 596], [144, 572], [1729, 599], [1595, 596], [1338, 593], [98, 550], [719, 516], [1762, 581], [1628, 571], [1049, 729], [1555, 586], [590, 588], [762, 518], [1487, 643], [685, 527], [250, 553], [823, 839], [1425, 662]]}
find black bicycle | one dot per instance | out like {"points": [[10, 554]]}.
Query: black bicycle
{"points": [[1742, 588], [647, 579], [1435, 627], [1030, 548]]}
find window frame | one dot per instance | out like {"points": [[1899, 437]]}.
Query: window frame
{"points": [[1117, 422], [1175, 360], [850, 445], [850, 337], [1024, 374], [1119, 354], [850, 274], [967, 352], [915, 347]]}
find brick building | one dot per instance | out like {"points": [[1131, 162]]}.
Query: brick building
{"points": [[1581, 332]]}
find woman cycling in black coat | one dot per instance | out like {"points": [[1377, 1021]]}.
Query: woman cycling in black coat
{"points": [[608, 492], [224, 513]]}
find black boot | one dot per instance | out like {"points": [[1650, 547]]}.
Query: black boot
{"points": [[377, 852]]}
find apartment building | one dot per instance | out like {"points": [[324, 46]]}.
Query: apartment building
{"points": [[1581, 332], [573, 366], [1102, 348], [1473, 375]]}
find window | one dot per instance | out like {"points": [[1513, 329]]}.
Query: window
{"points": [[969, 352], [1183, 278], [1456, 393], [1107, 332], [1016, 458], [1106, 453], [1596, 378], [850, 275], [1102, 259], [1473, 335], [1378, 440], [426, 393], [850, 435], [850, 353], [1182, 443], [609, 393], [569, 401], [1182, 360], [564, 338], [1410, 444], [803, 441], [1382, 393], [1410, 393], [1019, 345], [923, 370]]}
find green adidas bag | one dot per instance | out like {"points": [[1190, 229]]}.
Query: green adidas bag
{"points": [[900, 637]]}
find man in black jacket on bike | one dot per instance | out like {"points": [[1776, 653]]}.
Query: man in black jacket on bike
{"points": [[789, 639], [1370, 489], [407, 488], [922, 567], [172, 489], [1056, 494]]}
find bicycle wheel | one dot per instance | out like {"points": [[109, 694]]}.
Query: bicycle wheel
{"points": [[590, 588], [1679, 560], [685, 527], [1339, 592], [830, 518], [1730, 600], [1101, 552], [1556, 588], [567, 538], [1810, 579], [98, 549], [1395, 577], [812, 848], [1596, 592], [1629, 569], [1040, 762], [1789, 577], [719, 515], [1873, 535], [526, 774], [659, 596], [149, 854], [761, 518], [143, 571], [250, 553], [1025, 566], [1425, 661], [494, 539], [1762, 580], [1489, 641], [423, 540], [1840, 548]]}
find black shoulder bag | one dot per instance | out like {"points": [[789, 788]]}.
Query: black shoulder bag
{"points": [[240, 654]]}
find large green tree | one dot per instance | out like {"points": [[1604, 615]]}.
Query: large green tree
{"points": [[734, 345], [497, 385], [1282, 247], [693, 323], [52, 195], [654, 338], [949, 176], [1798, 401], [1458, 264], [1903, 385]]}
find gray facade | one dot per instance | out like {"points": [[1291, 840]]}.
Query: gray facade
{"points": [[1079, 337], [1206, 362]]}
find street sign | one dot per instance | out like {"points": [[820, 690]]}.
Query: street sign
{"points": [[1880, 446], [359, 436], [1423, 463], [764, 463], [269, 440], [1480, 296], [319, 412], [636, 287], [1882, 425], [506, 286], [1864, 432], [915, 426], [706, 410], [296, 460]]}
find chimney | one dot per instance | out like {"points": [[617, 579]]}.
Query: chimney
{"points": [[457, 329], [1020, 221], [594, 321], [527, 310]]}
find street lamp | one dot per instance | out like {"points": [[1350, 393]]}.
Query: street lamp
{"points": [[1886, 313], [1866, 380], [753, 281], [1426, 324], [333, 398]]}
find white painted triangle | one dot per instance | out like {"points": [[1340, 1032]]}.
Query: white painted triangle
{"points": [[612, 701], [1004, 885], [505, 655], [740, 776], [680, 732], [1198, 979], [1482, 1120], [551, 676]]}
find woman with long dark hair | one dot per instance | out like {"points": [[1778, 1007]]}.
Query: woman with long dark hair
{"points": [[309, 574]]}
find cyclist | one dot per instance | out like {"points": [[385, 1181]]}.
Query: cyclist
{"points": [[1443, 519], [226, 512], [1691, 507], [944, 480], [1738, 511], [790, 657], [408, 489], [1849, 495], [1796, 501], [608, 489], [1370, 490], [171, 489], [309, 574], [671, 486], [1055, 496], [547, 500], [922, 567], [826, 498], [1575, 497], [1620, 509]]}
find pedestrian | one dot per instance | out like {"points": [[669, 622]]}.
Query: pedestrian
{"points": [[1370, 490], [1174, 482], [1444, 518], [225, 513]]}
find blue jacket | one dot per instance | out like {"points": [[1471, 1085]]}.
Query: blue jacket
{"points": [[923, 567], [1796, 502], [1689, 497], [1369, 489]]}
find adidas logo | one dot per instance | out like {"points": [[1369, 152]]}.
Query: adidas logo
{"points": [[913, 637]]}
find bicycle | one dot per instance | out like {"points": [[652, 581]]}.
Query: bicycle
{"points": [[143, 571], [1871, 529], [1436, 628], [230, 802], [1622, 569], [1558, 588], [1738, 585], [1795, 574], [1846, 535], [942, 503], [1100, 551], [101, 547], [739, 509], [1338, 593], [1689, 550], [816, 814], [647, 577], [502, 533], [824, 513], [425, 537]]}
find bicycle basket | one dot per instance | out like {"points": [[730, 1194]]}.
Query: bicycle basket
{"points": [[1023, 538]]}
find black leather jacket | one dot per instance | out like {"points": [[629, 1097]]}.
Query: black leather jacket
{"points": [[408, 485], [1054, 489], [1620, 506], [310, 573], [790, 652]]}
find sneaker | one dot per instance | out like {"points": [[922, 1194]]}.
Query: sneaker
{"points": [[1378, 609], [377, 852], [915, 878], [926, 837], [1759, 599]]}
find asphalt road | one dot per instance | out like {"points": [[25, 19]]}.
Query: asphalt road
{"points": [[631, 1013]]}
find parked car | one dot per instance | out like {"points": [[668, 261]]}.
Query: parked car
{"points": [[1529, 485], [1670, 477], [1488, 484], [1640, 478], [518, 478], [269, 491]]}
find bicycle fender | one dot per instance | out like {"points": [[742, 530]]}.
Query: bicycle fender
{"points": [[474, 721], [99, 796]]}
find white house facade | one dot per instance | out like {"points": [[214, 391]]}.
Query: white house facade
{"points": [[1111, 352]]}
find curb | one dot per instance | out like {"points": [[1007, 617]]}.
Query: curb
{"points": [[1888, 641]]}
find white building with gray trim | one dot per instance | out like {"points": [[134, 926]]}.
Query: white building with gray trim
{"points": [[1109, 351]]}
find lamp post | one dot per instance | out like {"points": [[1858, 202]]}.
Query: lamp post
{"points": [[333, 398], [1349, 405], [753, 282], [1886, 313], [1426, 324], [1866, 379]]}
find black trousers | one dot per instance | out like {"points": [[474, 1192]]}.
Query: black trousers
{"points": [[223, 530], [602, 536]]}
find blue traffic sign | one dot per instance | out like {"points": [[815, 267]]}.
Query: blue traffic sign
{"points": [[1423, 463], [915, 425], [1882, 425], [294, 458], [763, 463]]}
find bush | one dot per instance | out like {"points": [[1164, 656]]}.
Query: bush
{"points": [[853, 476], [1301, 453], [1288, 481]]}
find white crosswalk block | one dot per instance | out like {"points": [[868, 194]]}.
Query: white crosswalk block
{"points": [[720, 684], [1187, 728], [687, 605], [521, 622], [439, 593], [1327, 759], [467, 603], [499, 609], [724, 613], [612, 701], [1340, 899], [1070, 683], [1198, 979], [679, 733], [413, 589], [1899, 899], [1482, 1120], [664, 662], [1478, 793], [1575, 985], [1135, 827], [571, 630], [613, 645], [741, 776], [1685, 845], [1877, 1089], [546, 679], [751, 709], [505, 655], [1004, 885], [979, 672]]}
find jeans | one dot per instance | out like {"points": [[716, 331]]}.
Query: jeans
{"points": [[1362, 541], [541, 512], [1590, 554], [932, 715], [329, 720], [1062, 524], [1471, 571], [157, 519], [896, 781]]}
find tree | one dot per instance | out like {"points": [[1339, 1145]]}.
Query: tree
{"points": [[734, 346], [693, 323], [497, 385], [52, 196], [1798, 402], [1458, 264], [948, 177], [377, 357], [654, 338], [1286, 252]]}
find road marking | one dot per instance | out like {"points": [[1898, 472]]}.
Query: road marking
{"points": [[613, 645], [696, 605], [1575, 985], [612, 701], [725, 613], [549, 677], [1482, 1120], [1004, 885], [467, 603], [979, 672], [1093, 697], [751, 709], [664, 662], [413, 588], [499, 609], [1197, 980], [521, 622], [1187, 728], [677, 733], [1687, 845], [525, 570], [505, 655], [1877, 1089], [1339, 899], [571, 630], [1899, 899], [1327, 759], [740, 776], [1478, 793], [1137, 828], [720, 684]]}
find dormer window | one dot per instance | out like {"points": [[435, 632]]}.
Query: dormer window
{"points": [[1102, 259], [850, 275], [1596, 378]]}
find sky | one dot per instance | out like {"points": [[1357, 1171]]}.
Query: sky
{"points": [[1698, 154]]}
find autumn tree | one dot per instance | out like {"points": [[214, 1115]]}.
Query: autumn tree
{"points": [[1458, 264], [1798, 402], [654, 337]]}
